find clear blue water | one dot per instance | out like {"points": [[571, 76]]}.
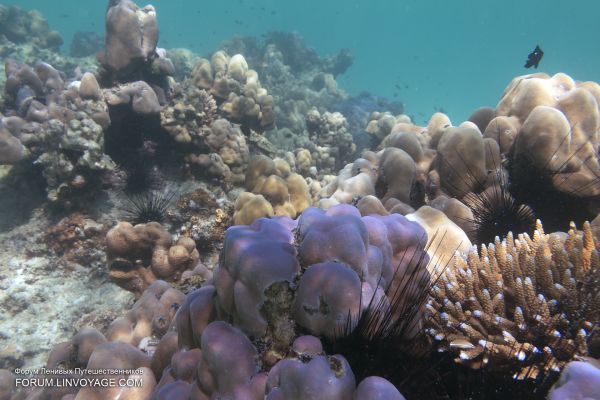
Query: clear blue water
{"points": [[454, 55]]}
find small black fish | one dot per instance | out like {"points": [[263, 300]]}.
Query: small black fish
{"points": [[398, 87], [534, 58]]}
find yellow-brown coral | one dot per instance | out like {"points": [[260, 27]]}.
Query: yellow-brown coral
{"points": [[531, 302]]}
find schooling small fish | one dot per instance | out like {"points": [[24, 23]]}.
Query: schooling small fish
{"points": [[534, 58]]}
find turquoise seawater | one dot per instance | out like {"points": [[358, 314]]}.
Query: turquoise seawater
{"points": [[449, 55]]}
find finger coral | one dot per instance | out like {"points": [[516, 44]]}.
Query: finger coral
{"points": [[529, 304]]}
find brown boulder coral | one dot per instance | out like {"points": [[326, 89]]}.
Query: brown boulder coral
{"points": [[329, 131], [273, 189], [237, 90], [22, 27], [527, 304], [224, 152], [131, 35], [58, 128], [150, 317], [141, 254], [553, 163]]}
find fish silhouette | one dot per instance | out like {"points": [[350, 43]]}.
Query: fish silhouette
{"points": [[534, 58]]}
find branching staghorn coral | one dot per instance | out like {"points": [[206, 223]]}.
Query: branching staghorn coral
{"points": [[527, 304]]}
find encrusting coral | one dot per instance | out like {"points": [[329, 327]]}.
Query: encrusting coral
{"points": [[526, 304]]}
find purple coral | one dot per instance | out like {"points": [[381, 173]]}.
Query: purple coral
{"points": [[255, 258]]}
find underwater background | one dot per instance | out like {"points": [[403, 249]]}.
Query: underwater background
{"points": [[300, 200], [431, 55]]}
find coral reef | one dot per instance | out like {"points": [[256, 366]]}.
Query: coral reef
{"points": [[297, 78], [20, 26], [376, 290], [45, 268], [139, 255], [204, 215], [329, 132], [226, 152], [553, 161], [61, 129], [26, 38], [236, 87], [77, 240], [85, 44], [525, 304], [273, 190]]}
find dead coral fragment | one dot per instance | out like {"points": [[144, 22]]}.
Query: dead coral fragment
{"points": [[527, 302]]}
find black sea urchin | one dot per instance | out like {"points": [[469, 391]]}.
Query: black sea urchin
{"points": [[387, 338], [140, 177], [556, 197], [149, 206], [459, 382], [496, 212]]}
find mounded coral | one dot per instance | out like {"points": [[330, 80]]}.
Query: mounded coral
{"points": [[61, 128], [371, 254], [131, 36], [141, 254], [131, 53], [460, 161], [11, 148], [193, 110], [239, 94], [381, 124], [391, 175], [254, 287], [272, 190], [225, 151], [243, 279], [138, 95], [150, 317], [319, 377], [297, 78], [553, 122], [333, 143], [20, 26], [249, 207]]}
